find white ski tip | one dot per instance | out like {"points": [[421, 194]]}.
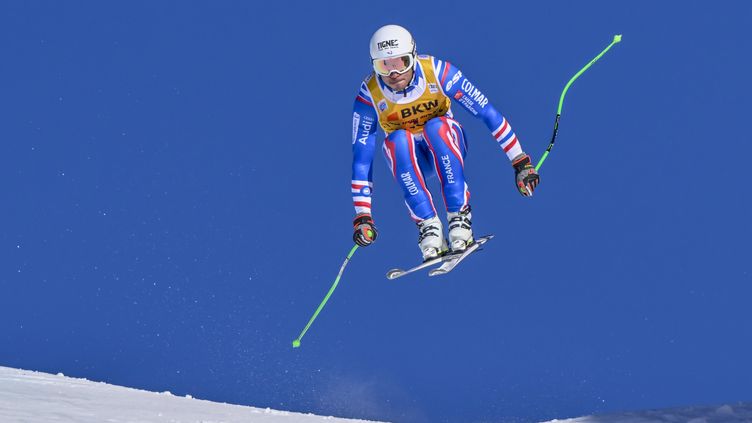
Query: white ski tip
{"points": [[394, 273]]}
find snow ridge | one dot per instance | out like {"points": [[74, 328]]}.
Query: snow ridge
{"points": [[34, 397]]}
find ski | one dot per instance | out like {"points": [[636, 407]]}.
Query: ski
{"points": [[444, 260], [396, 273], [448, 265]]}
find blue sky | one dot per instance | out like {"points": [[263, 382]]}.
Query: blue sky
{"points": [[176, 183]]}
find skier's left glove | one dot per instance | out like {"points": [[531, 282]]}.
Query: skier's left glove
{"points": [[525, 175], [364, 230]]}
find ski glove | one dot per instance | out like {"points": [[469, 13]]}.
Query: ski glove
{"points": [[364, 230], [524, 174]]}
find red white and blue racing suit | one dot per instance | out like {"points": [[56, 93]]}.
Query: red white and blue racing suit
{"points": [[422, 138]]}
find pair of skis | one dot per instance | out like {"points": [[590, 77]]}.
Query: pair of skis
{"points": [[447, 262]]}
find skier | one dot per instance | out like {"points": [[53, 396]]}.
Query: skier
{"points": [[409, 97]]}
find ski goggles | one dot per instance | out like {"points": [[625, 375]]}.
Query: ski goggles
{"points": [[399, 64]]}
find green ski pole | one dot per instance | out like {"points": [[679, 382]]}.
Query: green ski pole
{"points": [[296, 342], [617, 38]]}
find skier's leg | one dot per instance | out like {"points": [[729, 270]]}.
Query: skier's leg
{"points": [[402, 154], [446, 140], [400, 151]]}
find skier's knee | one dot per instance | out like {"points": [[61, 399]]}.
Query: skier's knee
{"points": [[399, 136], [434, 125]]}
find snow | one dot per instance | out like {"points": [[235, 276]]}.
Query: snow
{"points": [[736, 413], [33, 397]]}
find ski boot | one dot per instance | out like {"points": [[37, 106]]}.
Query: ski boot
{"points": [[460, 229], [431, 238]]}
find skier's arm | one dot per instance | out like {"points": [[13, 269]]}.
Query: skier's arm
{"points": [[364, 147], [457, 87]]}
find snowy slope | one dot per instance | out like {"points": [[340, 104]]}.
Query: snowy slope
{"points": [[33, 397], [736, 413]]}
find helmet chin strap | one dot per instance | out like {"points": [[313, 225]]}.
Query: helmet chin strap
{"points": [[404, 91]]}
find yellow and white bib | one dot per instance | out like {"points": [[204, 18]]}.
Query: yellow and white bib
{"points": [[410, 112]]}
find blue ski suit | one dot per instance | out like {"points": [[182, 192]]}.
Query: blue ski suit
{"points": [[421, 136]]}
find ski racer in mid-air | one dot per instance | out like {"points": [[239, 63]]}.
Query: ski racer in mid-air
{"points": [[409, 97]]}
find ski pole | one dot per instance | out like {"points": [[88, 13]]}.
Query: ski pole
{"points": [[617, 38], [296, 342]]}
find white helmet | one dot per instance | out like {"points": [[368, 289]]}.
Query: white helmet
{"points": [[392, 41]]}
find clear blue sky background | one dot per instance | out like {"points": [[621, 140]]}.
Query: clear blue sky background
{"points": [[175, 187]]}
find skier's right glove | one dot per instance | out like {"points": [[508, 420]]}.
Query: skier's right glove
{"points": [[364, 230], [525, 176]]}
